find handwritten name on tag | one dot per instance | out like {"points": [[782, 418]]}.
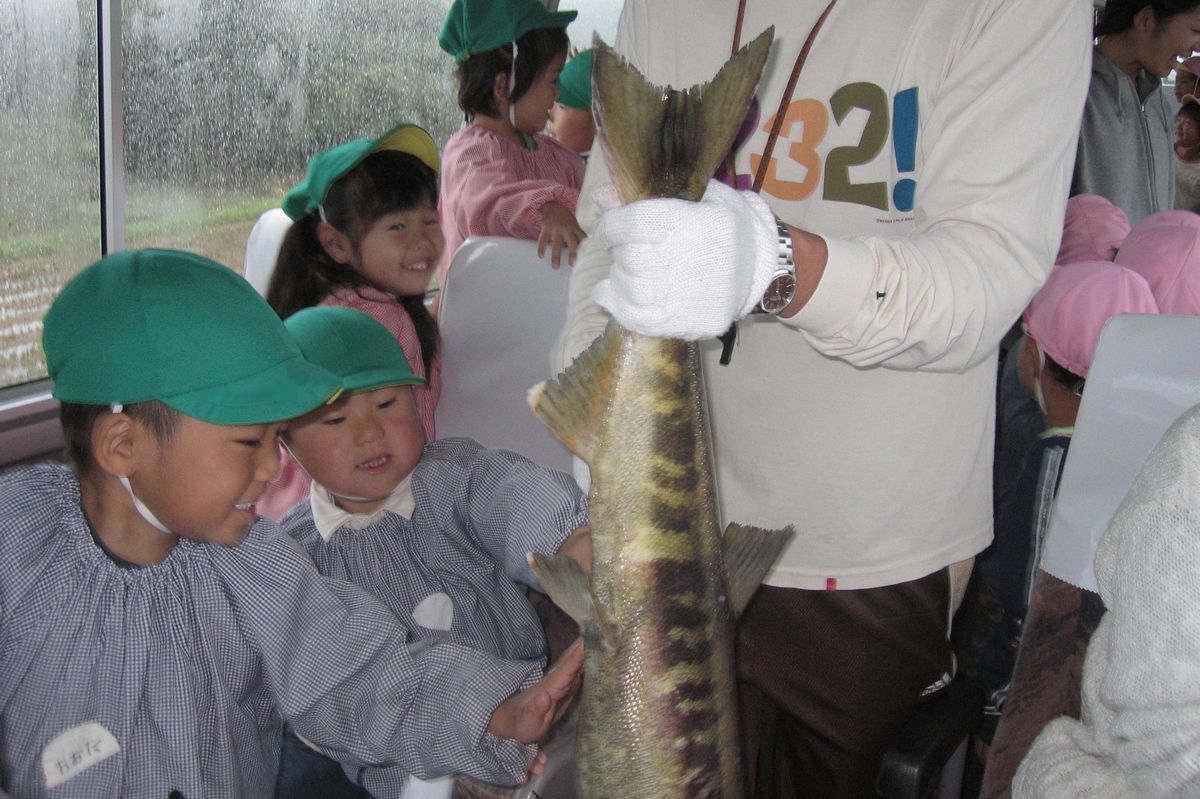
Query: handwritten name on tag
{"points": [[76, 750]]}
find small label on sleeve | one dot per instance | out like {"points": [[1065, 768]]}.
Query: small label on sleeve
{"points": [[76, 750]]}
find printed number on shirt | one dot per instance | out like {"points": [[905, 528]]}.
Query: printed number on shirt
{"points": [[805, 127]]}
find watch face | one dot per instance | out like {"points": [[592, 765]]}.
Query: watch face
{"points": [[779, 293]]}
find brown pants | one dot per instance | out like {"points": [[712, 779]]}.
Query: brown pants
{"points": [[828, 677], [1047, 675]]}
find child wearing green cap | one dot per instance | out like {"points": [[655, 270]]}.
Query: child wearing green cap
{"points": [[366, 235], [503, 177], [571, 119], [439, 532], [153, 636]]}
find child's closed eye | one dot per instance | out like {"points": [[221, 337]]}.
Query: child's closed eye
{"points": [[386, 403], [333, 420]]}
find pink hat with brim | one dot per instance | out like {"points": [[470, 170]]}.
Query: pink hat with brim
{"points": [[1190, 64], [1092, 231], [1164, 248], [1065, 318]]}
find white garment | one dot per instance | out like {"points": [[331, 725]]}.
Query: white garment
{"points": [[866, 420], [1140, 730]]}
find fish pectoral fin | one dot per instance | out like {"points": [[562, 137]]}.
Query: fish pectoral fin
{"points": [[563, 580], [749, 554], [573, 404]]}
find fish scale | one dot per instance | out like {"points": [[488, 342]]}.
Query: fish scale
{"points": [[657, 713]]}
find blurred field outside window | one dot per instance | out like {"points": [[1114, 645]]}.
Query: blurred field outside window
{"points": [[223, 103]]}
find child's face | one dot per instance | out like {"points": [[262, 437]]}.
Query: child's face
{"points": [[361, 446], [1187, 132], [202, 483], [535, 104], [573, 127], [1185, 84], [399, 251]]}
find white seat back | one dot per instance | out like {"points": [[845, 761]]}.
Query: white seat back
{"points": [[1146, 373], [262, 248], [500, 312]]}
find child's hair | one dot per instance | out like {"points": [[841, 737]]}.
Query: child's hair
{"points": [[1064, 376], [79, 419], [384, 182], [1118, 15], [477, 75], [1189, 109]]}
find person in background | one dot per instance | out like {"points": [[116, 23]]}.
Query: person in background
{"points": [[1186, 72], [1139, 730], [366, 235], [1064, 321], [1125, 142], [438, 532], [502, 176], [155, 634], [1187, 155], [1165, 249], [571, 119], [860, 407]]}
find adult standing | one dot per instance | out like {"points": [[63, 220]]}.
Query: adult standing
{"points": [[924, 144], [1125, 144]]}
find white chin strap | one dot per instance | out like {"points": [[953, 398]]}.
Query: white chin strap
{"points": [[142, 510], [331, 493], [1038, 396], [512, 85]]}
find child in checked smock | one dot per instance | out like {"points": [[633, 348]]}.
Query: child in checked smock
{"points": [[502, 176], [366, 234], [439, 532], [154, 636]]}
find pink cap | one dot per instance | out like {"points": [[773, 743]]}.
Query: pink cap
{"points": [[1065, 318], [1164, 248], [1093, 230], [1190, 64]]}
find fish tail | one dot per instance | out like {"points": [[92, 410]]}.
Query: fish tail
{"points": [[664, 142]]}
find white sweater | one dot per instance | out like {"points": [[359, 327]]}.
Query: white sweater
{"points": [[866, 420], [1140, 729]]}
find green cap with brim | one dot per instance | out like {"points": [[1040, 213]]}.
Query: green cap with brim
{"points": [[176, 327], [353, 346], [575, 82], [476, 26], [325, 168]]}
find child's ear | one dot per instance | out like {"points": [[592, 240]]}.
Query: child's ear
{"points": [[1145, 20], [500, 88], [116, 440], [335, 243]]}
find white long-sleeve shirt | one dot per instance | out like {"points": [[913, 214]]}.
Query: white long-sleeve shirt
{"points": [[866, 420]]}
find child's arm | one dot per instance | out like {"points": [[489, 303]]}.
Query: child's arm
{"points": [[529, 715]]}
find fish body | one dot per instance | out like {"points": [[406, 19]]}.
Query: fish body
{"points": [[658, 716]]}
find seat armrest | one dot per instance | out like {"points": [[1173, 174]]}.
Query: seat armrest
{"points": [[912, 768]]}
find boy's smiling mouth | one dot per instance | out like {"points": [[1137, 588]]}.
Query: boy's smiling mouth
{"points": [[376, 464]]}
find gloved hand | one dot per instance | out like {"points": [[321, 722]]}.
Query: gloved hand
{"points": [[687, 269]]}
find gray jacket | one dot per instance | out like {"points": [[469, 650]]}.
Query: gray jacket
{"points": [[1125, 143]]}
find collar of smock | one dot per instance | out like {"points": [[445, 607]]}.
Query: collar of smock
{"points": [[329, 518]]}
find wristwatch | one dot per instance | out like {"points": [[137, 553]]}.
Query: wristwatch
{"points": [[781, 290]]}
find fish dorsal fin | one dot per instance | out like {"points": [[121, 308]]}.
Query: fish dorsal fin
{"points": [[663, 142], [565, 583], [573, 404], [749, 554]]}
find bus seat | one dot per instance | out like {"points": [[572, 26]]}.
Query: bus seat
{"points": [[500, 311], [1144, 376], [262, 248]]}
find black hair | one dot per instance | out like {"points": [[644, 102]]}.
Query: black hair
{"points": [[1189, 109], [78, 420], [384, 182], [477, 75], [1064, 376], [1117, 16]]}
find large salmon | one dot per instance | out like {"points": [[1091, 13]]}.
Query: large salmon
{"points": [[658, 709]]}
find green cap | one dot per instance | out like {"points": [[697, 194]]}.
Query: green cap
{"points": [[325, 168], [175, 327], [476, 26], [575, 82], [352, 345]]}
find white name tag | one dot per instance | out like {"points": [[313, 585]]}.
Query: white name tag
{"points": [[76, 750]]}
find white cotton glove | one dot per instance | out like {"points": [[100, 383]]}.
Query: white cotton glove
{"points": [[686, 269]]}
